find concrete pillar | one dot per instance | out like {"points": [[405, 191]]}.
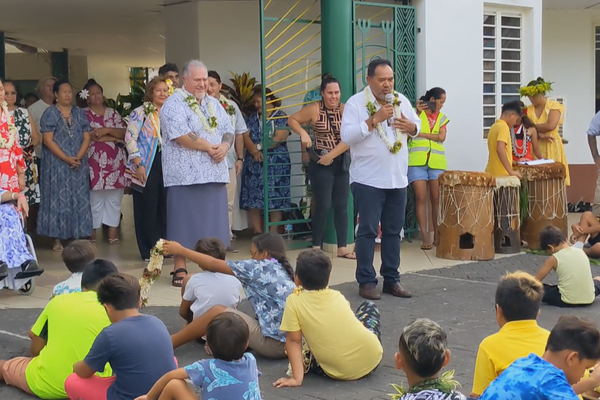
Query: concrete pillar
{"points": [[182, 33]]}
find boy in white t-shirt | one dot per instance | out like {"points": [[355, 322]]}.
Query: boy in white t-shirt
{"points": [[76, 255], [576, 287], [200, 292]]}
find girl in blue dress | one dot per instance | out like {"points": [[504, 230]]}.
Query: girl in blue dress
{"points": [[278, 167]]}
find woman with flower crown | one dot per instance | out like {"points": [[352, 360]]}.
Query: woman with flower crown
{"points": [[143, 141], [106, 157], [65, 211], [547, 116]]}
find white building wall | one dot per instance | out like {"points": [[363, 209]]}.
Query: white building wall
{"points": [[450, 49], [569, 62]]}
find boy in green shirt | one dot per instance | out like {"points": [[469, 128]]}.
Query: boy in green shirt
{"points": [[76, 319]]}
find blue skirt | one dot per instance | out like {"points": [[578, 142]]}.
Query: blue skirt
{"points": [[196, 212]]}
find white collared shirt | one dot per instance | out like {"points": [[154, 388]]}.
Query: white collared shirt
{"points": [[372, 163]]}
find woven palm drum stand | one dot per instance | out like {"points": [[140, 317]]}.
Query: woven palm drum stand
{"points": [[466, 216], [507, 218], [546, 194]]}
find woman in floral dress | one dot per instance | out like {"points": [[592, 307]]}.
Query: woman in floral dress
{"points": [[28, 139], [279, 168], [64, 177], [106, 158], [12, 165]]}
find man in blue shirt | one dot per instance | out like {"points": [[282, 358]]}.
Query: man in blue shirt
{"points": [[573, 347]]}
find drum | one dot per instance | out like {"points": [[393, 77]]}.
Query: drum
{"points": [[546, 194], [466, 216], [507, 217]]}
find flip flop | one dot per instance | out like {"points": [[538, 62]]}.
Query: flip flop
{"points": [[177, 281], [427, 246], [348, 256], [114, 241], [58, 247]]}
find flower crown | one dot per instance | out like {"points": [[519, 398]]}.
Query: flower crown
{"points": [[539, 86]]}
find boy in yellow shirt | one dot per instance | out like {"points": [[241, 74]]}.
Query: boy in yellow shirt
{"points": [[518, 300], [500, 144], [343, 345]]}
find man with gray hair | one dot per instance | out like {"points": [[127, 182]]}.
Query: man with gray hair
{"points": [[36, 110], [196, 135]]}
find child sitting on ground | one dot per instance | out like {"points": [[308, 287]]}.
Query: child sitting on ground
{"points": [[573, 347], [76, 255], [423, 353], [343, 345], [232, 374], [200, 292], [267, 279], [518, 300], [576, 287], [137, 346], [588, 229], [75, 319]]}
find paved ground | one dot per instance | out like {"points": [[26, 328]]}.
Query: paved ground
{"points": [[460, 298]]}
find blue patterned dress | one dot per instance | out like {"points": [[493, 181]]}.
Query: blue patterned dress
{"points": [[65, 211], [278, 171], [13, 247]]}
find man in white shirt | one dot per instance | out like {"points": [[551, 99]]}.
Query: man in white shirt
{"points": [[235, 155], [378, 174], [36, 110], [593, 132]]}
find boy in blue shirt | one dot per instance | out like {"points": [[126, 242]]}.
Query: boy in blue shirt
{"points": [[232, 374], [573, 347]]}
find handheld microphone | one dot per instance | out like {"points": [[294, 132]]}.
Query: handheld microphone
{"points": [[389, 99]]}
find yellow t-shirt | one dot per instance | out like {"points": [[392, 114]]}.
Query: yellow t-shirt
{"points": [[74, 321], [514, 340], [341, 344], [575, 281], [499, 132]]}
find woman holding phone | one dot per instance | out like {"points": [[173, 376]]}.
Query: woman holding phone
{"points": [[427, 159], [328, 168]]}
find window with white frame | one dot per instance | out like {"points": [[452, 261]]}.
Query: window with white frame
{"points": [[502, 63]]}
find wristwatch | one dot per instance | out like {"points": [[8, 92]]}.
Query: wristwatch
{"points": [[240, 159], [259, 147]]}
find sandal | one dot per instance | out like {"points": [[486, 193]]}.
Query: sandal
{"points": [[58, 247], [427, 246], [114, 241], [348, 256], [177, 281]]}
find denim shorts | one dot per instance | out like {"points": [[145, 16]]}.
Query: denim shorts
{"points": [[423, 173]]}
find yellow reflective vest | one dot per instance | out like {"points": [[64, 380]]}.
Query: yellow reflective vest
{"points": [[419, 149]]}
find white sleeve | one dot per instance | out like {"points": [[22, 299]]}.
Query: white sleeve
{"points": [[188, 294], [353, 128]]}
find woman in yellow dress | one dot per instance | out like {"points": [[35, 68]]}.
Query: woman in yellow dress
{"points": [[547, 115]]}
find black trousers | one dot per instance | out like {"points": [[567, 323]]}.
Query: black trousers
{"points": [[330, 187], [552, 296], [150, 210]]}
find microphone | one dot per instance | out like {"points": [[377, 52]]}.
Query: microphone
{"points": [[389, 99]]}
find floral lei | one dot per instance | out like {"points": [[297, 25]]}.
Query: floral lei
{"points": [[445, 384], [395, 147], [211, 125], [12, 129], [152, 271], [229, 109], [170, 86], [151, 113]]}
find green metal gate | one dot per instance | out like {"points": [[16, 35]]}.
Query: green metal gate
{"points": [[388, 31]]}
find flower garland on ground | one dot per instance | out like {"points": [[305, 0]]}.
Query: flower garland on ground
{"points": [[152, 271], [150, 112], [445, 384], [211, 124], [12, 129], [229, 108], [539, 86], [395, 147]]}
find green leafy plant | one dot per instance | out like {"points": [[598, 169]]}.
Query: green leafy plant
{"points": [[124, 104], [240, 91]]}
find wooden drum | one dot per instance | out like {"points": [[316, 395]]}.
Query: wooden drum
{"points": [[466, 216], [544, 188], [507, 218]]}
